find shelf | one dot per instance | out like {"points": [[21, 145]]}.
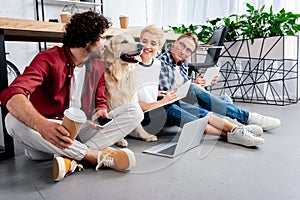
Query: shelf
{"points": [[66, 2]]}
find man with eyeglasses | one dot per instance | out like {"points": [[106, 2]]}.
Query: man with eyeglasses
{"points": [[174, 72]]}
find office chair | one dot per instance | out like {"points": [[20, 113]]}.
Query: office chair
{"points": [[213, 53]]}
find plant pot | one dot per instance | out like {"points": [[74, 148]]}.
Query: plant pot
{"points": [[263, 72]]}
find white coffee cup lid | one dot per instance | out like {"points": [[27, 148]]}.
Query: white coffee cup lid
{"points": [[65, 12], [75, 114]]}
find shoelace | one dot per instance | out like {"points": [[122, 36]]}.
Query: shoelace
{"points": [[246, 135], [106, 161], [75, 165], [250, 134]]}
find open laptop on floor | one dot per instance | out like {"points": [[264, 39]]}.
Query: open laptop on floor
{"points": [[180, 93], [189, 138]]}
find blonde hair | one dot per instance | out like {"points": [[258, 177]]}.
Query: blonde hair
{"points": [[154, 30]]}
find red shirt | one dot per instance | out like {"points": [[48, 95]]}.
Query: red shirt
{"points": [[46, 81]]}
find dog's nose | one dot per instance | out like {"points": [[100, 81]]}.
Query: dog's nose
{"points": [[140, 46]]}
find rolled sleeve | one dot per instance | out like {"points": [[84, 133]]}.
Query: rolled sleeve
{"points": [[11, 91]]}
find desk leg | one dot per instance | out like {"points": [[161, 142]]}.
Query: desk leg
{"points": [[6, 151]]}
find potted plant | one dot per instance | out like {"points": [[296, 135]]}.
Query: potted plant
{"points": [[259, 61], [255, 23]]}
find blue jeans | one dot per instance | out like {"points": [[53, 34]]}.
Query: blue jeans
{"points": [[170, 115], [208, 102]]}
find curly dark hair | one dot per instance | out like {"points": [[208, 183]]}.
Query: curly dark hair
{"points": [[84, 28]]}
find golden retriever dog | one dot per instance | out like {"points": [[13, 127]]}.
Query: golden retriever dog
{"points": [[120, 56]]}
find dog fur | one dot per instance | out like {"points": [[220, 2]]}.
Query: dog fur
{"points": [[119, 77]]}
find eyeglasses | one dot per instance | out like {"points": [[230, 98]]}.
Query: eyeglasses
{"points": [[182, 46]]}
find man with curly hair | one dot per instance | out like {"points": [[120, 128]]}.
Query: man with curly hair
{"points": [[63, 77]]}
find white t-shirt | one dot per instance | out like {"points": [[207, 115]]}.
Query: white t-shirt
{"points": [[179, 80], [147, 81], [77, 86]]}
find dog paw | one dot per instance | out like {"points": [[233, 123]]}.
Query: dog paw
{"points": [[122, 143], [150, 138]]}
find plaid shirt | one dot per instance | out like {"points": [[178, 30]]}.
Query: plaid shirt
{"points": [[167, 75]]}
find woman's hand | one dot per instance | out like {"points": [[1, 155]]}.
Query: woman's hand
{"points": [[170, 95]]}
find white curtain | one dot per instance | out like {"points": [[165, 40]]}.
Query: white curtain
{"points": [[176, 12]]}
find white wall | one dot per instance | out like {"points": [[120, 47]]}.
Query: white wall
{"points": [[135, 9], [21, 53], [140, 12]]}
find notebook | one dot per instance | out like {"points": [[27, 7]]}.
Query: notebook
{"points": [[180, 93], [189, 138]]}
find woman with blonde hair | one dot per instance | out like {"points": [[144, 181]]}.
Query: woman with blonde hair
{"points": [[148, 77]]}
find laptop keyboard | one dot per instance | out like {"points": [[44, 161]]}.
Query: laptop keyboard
{"points": [[169, 151]]}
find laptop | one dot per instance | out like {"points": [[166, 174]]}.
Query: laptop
{"points": [[190, 137], [181, 92]]}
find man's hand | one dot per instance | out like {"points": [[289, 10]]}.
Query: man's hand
{"points": [[215, 80], [55, 134], [20, 107], [101, 112], [200, 80]]}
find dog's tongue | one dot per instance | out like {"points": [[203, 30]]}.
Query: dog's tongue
{"points": [[138, 58]]}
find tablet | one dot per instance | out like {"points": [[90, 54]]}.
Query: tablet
{"points": [[209, 74]]}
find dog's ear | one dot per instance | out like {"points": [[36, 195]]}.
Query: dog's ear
{"points": [[109, 52]]}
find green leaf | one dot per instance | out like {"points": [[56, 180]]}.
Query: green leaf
{"points": [[254, 23]]}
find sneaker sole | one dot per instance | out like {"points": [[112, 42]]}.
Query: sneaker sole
{"points": [[131, 157], [272, 127], [255, 143], [59, 168]]}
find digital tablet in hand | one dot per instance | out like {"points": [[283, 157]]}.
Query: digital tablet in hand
{"points": [[210, 74]]}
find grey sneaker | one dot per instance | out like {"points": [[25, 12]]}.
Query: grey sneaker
{"points": [[243, 137], [265, 122], [254, 129]]}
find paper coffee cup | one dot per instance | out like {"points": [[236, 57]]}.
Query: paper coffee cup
{"points": [[65, 17], [124, 20], [73, 120]]}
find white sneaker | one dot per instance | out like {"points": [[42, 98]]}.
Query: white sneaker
{"points": [[265, 122], [241, 136], [254, 129]]}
